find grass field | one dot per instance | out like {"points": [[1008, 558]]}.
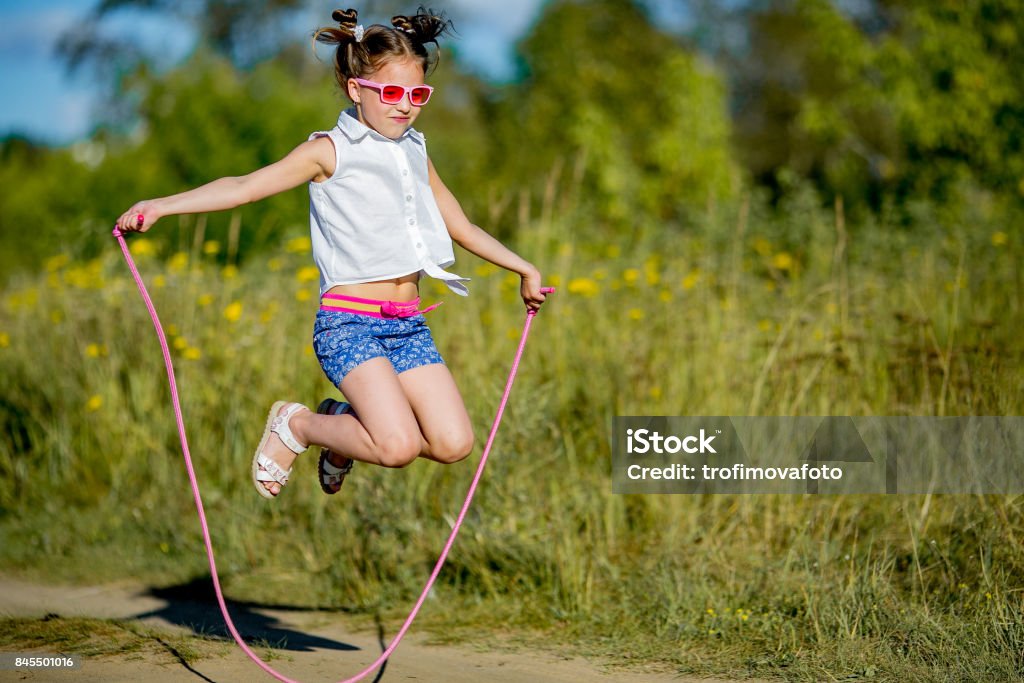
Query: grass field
{"points": [[741, 314]]}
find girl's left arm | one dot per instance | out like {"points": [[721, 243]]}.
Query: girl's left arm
{"points": [[476, 241]]}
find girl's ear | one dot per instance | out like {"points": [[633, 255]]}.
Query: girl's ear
{"points": [[353, 90]]}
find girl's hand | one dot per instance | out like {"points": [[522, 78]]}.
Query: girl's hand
{"points": [[530, 290], [139, 218]]}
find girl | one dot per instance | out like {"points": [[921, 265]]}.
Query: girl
{"points": [[380, 218]]}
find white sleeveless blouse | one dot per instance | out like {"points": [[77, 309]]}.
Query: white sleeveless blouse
{"points": [[376, 218]]}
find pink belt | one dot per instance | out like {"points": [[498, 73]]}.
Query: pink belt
{"points": [[373, 307]]}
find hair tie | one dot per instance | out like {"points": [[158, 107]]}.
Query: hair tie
{"points": [[402, 23], [358, 33]]}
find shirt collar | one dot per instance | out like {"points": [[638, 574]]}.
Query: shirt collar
{"points": [[355, 130]]}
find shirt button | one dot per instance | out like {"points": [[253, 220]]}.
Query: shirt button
{"points": [[405, 171], [412, 221], [419, 245], [408, 197]]}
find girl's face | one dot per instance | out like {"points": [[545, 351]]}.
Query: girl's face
{"points": [[390, 120]]}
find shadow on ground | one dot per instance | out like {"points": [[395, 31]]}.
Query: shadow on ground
{"points": [[193, 605]]}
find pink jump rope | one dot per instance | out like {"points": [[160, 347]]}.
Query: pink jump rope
{"points": [[199, 501]]}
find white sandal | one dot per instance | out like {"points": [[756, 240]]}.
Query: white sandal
{"points": [[264, 469]]}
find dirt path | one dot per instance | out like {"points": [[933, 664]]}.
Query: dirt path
{"points": [[309, 645]]}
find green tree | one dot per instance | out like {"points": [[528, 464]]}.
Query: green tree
{"points": [[906, 100], [952, 72], [600, 83], [811, 99]]}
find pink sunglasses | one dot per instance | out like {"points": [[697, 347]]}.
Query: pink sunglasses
{"points": [[393, 94]]}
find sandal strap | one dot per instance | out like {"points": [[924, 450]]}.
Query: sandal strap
{"points": [[280, 427], [332, 471], [329, 406], [271, 471]]}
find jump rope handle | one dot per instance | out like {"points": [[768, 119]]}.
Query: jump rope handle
{"points": [[543, 290], [140, 219]]}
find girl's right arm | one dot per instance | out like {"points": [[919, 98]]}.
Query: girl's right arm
{"points": [[312, 160]]}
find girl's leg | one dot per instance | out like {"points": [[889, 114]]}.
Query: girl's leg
{"points": [[445, 428], [385, 434], [397, 417], [400, 417], [385, 431]]}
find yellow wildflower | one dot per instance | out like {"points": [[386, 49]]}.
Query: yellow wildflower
{"points": [[764, 325], [88, 276], [233, 311], [5, 340], [999, 238], [25, 299], [691, 280], [229, 272], [762, 246], [192, 353], [298, 245], [205, 300], [584, 286], [274, 264], [308, 274], [95, 350], [636, 314], [180, 343], [782, 261], [57, 262], [630, 275], [613, 251], [143, 247], [665, 296], [211, 247], [302, 295], [652, 269], [94, 403], [159, 281], [269, 312], [178, 262]]}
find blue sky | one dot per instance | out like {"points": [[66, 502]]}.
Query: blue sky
{"points": [[42, 100]]}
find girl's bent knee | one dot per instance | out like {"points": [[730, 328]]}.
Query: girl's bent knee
{"points": [[398, 452], [453, 449]]}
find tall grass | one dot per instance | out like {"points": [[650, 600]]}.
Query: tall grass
{"points": [[738, 315]]}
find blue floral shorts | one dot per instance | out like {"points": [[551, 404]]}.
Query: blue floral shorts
{"points": [[343, 341]]}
